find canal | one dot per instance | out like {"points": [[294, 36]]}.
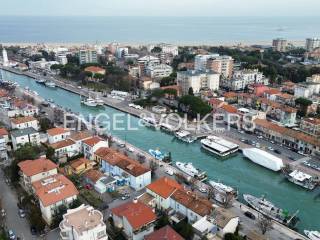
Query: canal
{"points": [[236, 171]]}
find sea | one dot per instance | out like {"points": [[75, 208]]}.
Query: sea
{"points": [[142, 30]]}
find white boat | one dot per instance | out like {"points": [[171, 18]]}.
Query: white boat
{"points": [[167, 127], [150, 122], [184, 136], [50, 84], [219, 146], [263, 158], [41, 81], [90, 102], [313, 235], [190, 170], [302, 179], [157, 154], [99, 101], [223, 188], [35, 93]]}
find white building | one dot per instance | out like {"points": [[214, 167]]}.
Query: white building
{"points": [[200, 61], [88, 56], [91, 145], [57, 134], [135, 218], [53, 192], [147, 61], [78, 137], [65, 148], [83, 223], [35, 170], [159, 71], [166, 48], [308, 88], [21, 137], [121, 52], [62, 60], [198, 80], [24, 122], [5, 57], [221, 64], [312, 43], [242, 78]]}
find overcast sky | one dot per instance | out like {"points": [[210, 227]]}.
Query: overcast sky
{"points": [[161, 7]]}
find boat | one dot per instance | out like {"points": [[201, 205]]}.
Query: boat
{"points": [[167, 127], [219, 146], [313, 235], [222, 188], [302, 179], [185, 136], [149, 122], [190, 170], [270, 210], [50, 84], [50, 100], [263, 158], [90, 102], [99, 101], [157, 154], [41, 81]]}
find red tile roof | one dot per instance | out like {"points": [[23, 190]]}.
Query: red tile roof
{"points": [[33, 167], [137, 214], [56, 131], [192, 201], [164, 187], [54, 189], [230, 109], [314, 121], [80, 135], [92, 141], [272, 91], [93, 175], [62, 144], [164, 233], [3, 132], [20, 120], [78, 162], [94, 69]]}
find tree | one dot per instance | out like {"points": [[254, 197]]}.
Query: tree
{"points": [[193, 105], [190, 91], [35, 218], [27, 152], [303, 104], [162, 221], [184, 229], [153, 167], [50, 153], [233, 236], [156, 50], [45, 124], [264, 224]]}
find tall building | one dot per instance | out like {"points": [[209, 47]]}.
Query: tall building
{"points": [[166, 48], [83, 223], [88, 56], [200, 61], [222, 65], [121, 52], [198, 80], [279, 44], [312, 43], [159, 71], [5, 57]]}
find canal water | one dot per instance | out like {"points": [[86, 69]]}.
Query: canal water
{"points": [[236, 171]]}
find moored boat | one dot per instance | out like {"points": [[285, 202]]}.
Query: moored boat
{"points": [[220, 187], [40, 81], [270, 210], [167, 127], [302, 179], [219, 146], [157, 154], [313, 235], [185, 136], [190, 170], [149, 122], [50, 84]]}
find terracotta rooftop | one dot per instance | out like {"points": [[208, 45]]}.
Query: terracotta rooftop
{"points": [[57, 131], [78, 162], [137, 214], [93, 175], [3, 132], [164, 187], [215, 102], [20, 120], [92, 141], [287, 132], [272, 91], [62, 144], [33, 167], [94, 69], [115, 158], [77, 136], [193, 202], [54, 189], [3, 93], [230, 94], [228, 108], [315, 121], [164, 233]]}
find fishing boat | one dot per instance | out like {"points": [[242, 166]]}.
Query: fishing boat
{"points": [[270, 210], [50, 84], [222, 188], [157, 154], [302, 179], [149, 122], [88, 101], [190, 170], [313, 235], [185, 136], [219, 146]]}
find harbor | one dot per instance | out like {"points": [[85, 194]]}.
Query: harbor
{"points": [[237, 171]]}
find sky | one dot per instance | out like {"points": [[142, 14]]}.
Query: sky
{"points": [[160, 7]]}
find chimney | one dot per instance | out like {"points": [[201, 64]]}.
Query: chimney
{"points": [[135, 200]]}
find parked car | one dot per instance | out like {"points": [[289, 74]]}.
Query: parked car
{"points": [[3, 213], [203, 190], [250, 215], [277, 151], [125, 196], [89, 186], [260, 137], [271, 148], [11, 235], [22, 213], [169, 171]]}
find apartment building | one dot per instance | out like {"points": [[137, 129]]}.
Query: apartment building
{"points": [[222, 65], [312, 43], [88, 56], [24, 122], [311, 126], [83, 223], [21, 137], [159, 71], [198, 80], [279, 44], [57, 134], [166, 48], [91, 145]]}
